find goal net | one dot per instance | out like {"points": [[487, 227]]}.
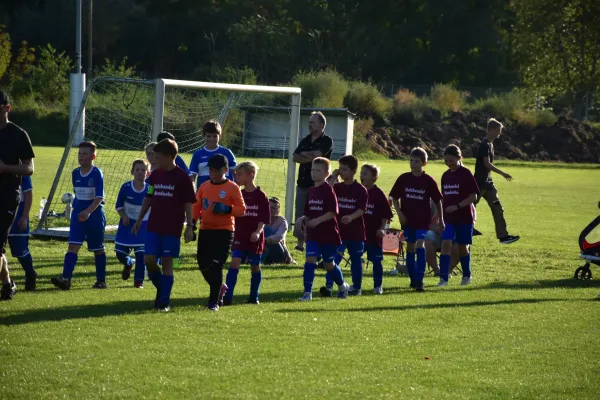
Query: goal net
{"points": [[122, 116]]}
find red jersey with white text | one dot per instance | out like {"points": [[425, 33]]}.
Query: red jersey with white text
{"points": [[321, 200], [378, 209], [457, 186], [257, 210], [415, 194], [351, 198]]}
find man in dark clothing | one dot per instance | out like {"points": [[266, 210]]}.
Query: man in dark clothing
{"points": [[315, 144], [16, 160], [483, 171]]}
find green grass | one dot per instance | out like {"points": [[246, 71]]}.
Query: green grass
{"points": [[523, 329]]}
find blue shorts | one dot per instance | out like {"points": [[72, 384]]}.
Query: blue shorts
{"points": [[352, 246], [119, 248], [19, 245], [374, 252], [326, 251], [162, 245], [458, 233], [412, 235], [253, 259], [90, 231]]}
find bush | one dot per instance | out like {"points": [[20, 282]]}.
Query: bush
{"points": [[446, 98], [546, 118], [364, 99], [360, 144], [516, 106], [5, 54], [324, 89], [410, 109], [115, 70]]}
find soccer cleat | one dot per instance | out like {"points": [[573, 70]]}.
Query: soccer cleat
{"points": [[466, 280], [343, 290], [8, 291], [61, 283], [306, 297], [443, 282], [227, 302], [394, 272], [476, 232], [138, 284], [163, 308], [412, 285], [354, 292], [30, 282], [326, 291], [99, 285], [378, 290], [253, 301], [509, 239], [222, 294], [214, 307], [126, 273], [419, 287]]}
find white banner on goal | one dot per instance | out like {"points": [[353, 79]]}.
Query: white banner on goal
{"points": [[121, 115]]}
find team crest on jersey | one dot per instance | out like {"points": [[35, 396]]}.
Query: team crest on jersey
{"points": [[91, 182], [222, 194]]}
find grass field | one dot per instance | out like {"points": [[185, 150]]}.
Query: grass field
{"points": [[523, 329]]}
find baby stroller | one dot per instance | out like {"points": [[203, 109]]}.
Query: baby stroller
{"points": [[589, 243]]}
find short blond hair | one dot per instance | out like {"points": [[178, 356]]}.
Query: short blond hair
{"points": [[248, 166], [493, 123], [324, 162]]}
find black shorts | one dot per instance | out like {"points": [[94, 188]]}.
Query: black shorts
{"points": [[8, 209], [213, 248]]}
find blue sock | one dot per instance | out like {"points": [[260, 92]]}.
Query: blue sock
{"points": [[27, 264], [444, 266], [421, 266], [337, 275], [337, 259], [155, 278], [230, 281], [356, 270], [329, 279], [465, 263], [255, 281], [69, 265], [100, 261], [140, 267], [410, 265], [166, 284], [377, 273], [309, 276]]}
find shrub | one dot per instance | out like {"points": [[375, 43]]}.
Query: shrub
{"points": [[114, 69], [364, 99], [360, 144], [5, 45], [325, 89], [504, 106], [546, 118], [446, 98], [408, 108]]}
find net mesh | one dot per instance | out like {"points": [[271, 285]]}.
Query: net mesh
{"points": [[118, 118]]}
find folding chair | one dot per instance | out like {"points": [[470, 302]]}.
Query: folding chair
{"points": [[393, 245]]}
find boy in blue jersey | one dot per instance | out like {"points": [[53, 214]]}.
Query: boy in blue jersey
{"points": [[199, 164], [129, 203], [87, 219], [18, 236], [178, 160]]}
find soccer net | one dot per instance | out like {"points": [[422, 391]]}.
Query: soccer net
{"points": [[122, 116]]}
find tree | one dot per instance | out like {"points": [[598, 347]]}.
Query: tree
{"points": [[5, 54]]}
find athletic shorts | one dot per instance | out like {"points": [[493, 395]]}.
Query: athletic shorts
{"points": [[326, 251], [213, 248], [435, 238], [90, 231], [458, 233], [19, 245], [8, 210], [253, 258], [162, 245], [352, 246], [120, 248], [374, 252], [412, 235]]}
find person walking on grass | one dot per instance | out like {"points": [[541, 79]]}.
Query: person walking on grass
{"points": [[483, 176]]}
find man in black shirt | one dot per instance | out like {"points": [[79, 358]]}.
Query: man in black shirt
{"points": [[483, 172], [315, 144], [16, 160]]}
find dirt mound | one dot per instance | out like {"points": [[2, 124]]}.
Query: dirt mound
{"points": [[567, 140]]}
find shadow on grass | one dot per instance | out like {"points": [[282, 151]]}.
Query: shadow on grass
{"points": [[423, 306], [545, 284]]}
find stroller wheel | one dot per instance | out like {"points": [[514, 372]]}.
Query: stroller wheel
{"points": [[583, 273]]}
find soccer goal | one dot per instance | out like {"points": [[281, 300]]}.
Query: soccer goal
{"points": [[121, 115]]}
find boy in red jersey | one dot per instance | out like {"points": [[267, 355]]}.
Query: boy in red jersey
{"points": [[171, 195], [460, 191], [322, 234], [376, 218], [248, 238], [416, 190]]}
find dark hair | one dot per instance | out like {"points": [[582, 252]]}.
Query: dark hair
{"points": [[167, 147], [350, 161], [372, 168], [88, 144], [321, 117], [419, 152], [218, 161], [165, 135], [212, 126], [4, 100], [453, 150], [139, 161], [274, 200]]}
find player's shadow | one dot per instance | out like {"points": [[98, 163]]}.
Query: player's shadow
{"points": [[545, 284], [469, 304]]}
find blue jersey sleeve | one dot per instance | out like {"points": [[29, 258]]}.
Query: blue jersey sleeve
{"points": [[232, 163], [99, 184], [26, 185], [194, 163], [181, 164], [121, 197]]}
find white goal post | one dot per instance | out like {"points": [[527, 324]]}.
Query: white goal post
{"points": [[122, 115]]}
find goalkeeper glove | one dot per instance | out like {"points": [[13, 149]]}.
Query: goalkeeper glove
{"points": [[220, 208]]}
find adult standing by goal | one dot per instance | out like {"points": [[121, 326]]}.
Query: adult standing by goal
{"points": [[315, 144], [16, 160], [483, 176]]}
